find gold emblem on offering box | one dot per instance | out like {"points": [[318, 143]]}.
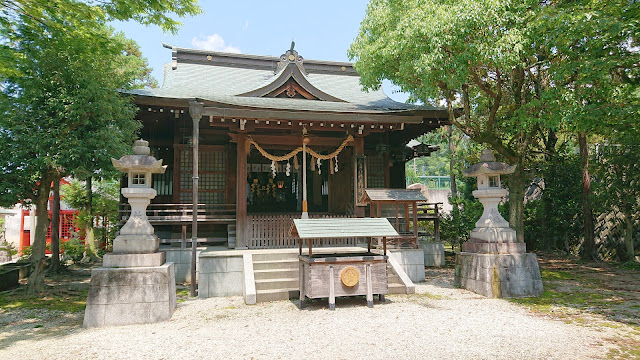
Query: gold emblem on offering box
{"points": [[350, 276]]}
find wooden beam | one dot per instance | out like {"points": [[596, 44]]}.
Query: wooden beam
{"points": [[313, 115]]}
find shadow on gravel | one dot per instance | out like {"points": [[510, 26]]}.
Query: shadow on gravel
{"points": [[341, 302]]}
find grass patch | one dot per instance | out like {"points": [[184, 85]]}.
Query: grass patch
{"points": [[65, 299], [557, 275]]}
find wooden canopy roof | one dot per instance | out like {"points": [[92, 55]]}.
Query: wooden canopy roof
{"points": [[342, 228], [392, 195]]}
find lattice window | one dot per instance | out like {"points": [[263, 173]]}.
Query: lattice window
{"points": [[138, 179], [67, 228], [375, 171], [212, 172]]}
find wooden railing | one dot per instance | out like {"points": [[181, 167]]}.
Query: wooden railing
{"points": [[268, 231], [183, 213]]}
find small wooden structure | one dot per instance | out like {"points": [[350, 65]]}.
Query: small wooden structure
{"points": [[399, 198], [331, 275]]}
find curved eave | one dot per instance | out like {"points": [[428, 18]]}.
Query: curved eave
{"points": [[291, 71]]}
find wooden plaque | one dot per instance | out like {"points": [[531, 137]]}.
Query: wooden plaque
{"points": [[350, 276]]}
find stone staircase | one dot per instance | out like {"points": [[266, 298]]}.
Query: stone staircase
{"points": [[276, 277]]}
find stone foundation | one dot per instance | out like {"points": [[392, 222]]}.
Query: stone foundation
{"points": [[181, 259], [220, 275], [499, 275], [433, 253], [132, 295], [411, 261]]}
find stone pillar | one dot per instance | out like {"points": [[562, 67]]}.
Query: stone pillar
{"points": [[241, 197]]}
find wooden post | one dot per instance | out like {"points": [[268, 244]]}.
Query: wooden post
{"points": [[397, 216], [369, 286], [195, 110], [436, 224], [384, 245], [415, 220], [310, 243], [301, 279], [241, 194], [369, 244], [332, 292], [406, 218], [358, 145], [183, 243]]}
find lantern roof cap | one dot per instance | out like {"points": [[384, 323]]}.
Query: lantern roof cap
{"points": [[141, 161], [488, 166]]}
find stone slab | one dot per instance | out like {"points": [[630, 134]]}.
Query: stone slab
{"points": [[136, 295], [494, 248], [493, 234], [136, 244], [499, 275], [133, 260], [220, 275]]}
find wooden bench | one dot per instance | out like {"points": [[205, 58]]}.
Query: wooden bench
{"points": [[331, 275]]}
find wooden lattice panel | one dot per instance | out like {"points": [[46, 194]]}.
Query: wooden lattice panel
{"points": [[212, 173]]}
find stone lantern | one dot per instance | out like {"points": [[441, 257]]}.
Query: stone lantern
{"points": [[493, 263], [134, 284], [137, 235]]}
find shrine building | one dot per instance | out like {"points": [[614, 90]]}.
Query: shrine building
{"points": [[254, 114]]}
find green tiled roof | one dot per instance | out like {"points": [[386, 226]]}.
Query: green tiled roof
{"points": [[229, 75]]}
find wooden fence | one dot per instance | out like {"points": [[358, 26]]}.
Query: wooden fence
{"points": [[270, 231]]}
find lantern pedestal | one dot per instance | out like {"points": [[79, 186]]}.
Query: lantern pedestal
{"points": [[134, 284], [493, 263]]}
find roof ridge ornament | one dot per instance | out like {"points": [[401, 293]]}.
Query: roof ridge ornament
{"points": [[291, 56]]}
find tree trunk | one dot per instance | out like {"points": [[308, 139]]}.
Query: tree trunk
{"points": [[38, 260], [55, 226], [588, 251], [452, 175], [516, 200], [549, 175], [90, 239], [628, 237]]}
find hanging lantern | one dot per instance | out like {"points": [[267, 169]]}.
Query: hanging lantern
{"points": [[280, 184]]}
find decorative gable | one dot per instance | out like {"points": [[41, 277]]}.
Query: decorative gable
{"points": [[291, 81]]}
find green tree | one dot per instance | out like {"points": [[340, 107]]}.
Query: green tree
{"points": [[521, 69], [62, 113], [439, 49]]}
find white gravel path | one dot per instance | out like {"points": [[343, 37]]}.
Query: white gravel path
{"points": [[438, 322]]}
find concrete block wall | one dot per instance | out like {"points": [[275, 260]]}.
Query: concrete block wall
{"points": [[433, 253], [411, 261], [181, 259], [220, 275]]}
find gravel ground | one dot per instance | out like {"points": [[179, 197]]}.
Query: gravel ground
{"points": [[437, 322]]}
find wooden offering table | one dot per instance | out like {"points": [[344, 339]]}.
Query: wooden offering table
{"points": [[343, 274]]}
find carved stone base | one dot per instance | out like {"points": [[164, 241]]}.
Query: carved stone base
{"points": [[494, 248], [122, 296], [499, 275]]}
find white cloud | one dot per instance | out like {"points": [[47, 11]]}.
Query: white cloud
{"points": [[213, 42]]}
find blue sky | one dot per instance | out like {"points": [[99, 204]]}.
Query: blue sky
{"points": [[322, 30]]}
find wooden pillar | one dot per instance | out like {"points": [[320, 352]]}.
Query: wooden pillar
{"points": [[358, 145], [386, 167], [241, 194], [195, 110], [406, 217]]}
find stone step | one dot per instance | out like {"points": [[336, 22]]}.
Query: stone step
{"points": [[275, 256], [275, 264], [275, 274], [397, 288], [393, 279], [276, 295], [275, 284]]}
